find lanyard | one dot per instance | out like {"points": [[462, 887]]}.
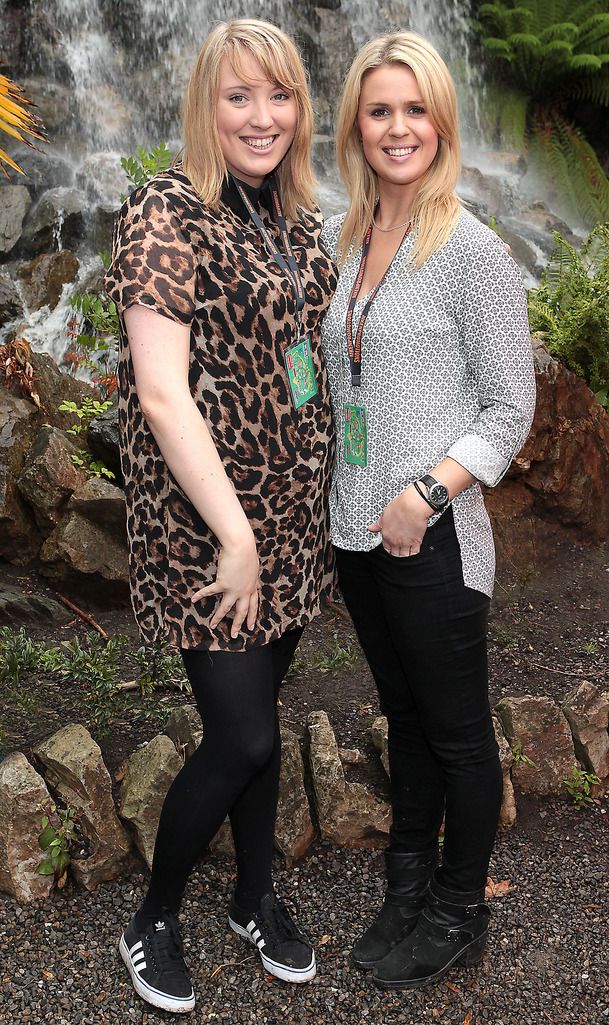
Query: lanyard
{"points": [[354, 348], [286, 262]]}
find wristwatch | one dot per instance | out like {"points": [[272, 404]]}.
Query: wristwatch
{"points": [[437, 493]]}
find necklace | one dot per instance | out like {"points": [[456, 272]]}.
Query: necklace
{"points": [[394, 227]]}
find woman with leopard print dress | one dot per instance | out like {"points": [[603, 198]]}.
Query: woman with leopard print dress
{"points": [[227, 446]]}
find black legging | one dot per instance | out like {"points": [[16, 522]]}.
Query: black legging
{"points": [[234, 771], [424, 635]]}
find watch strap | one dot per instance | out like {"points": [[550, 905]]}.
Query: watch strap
{"points": [[424, 496]]}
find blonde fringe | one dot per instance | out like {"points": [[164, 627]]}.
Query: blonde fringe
{"points": [[281, 62], [437, 206]]}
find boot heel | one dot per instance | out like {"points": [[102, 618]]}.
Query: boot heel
{"points": [[474, 953]]}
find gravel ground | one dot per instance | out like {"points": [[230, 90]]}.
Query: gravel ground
{"points": [[546, 961]]}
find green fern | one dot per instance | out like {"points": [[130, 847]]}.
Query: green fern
{"points": [[544, 56], [571, 308]]}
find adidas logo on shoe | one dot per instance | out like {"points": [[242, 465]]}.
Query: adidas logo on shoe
{"points": [[158, 926]]}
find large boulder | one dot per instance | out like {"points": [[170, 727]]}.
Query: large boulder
{"points": [[19, 536], [148, 774], [50, 476], [44, 277], [587, 711], [14, 205], [54, 102], [294, 831], [87, 557], [76, 774], [24, 800], [348, 812], [537, 732], [54, 386], [559, 478], [56, 221]]}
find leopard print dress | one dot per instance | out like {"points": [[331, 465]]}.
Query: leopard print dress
{"points": [[210, 270]]}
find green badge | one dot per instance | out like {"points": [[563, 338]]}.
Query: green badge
{"points": [[356, 436], [301, 372]]}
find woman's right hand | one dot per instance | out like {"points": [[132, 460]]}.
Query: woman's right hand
{"points": [[237, 580]]}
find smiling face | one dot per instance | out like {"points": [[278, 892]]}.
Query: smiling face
{"points": [[256, 121], [398, 137]]}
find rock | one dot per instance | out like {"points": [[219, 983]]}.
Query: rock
{"points": [[507, 815], [11, 36], [294, 831], [76, 774], [11, 304], [495, 192], [587, 711], [185, 729], [103, 441], [53, 101], [53, 386], [44, 277], [223, 842], [83, 555], [19, 536], [536, 728], [351, 756], [148, 774], [50, 476], [559, 478], [347, 812], [379, 735], [24, 799], [43, 170], [18, 607], [100, 502], [14, 205], [55, 222]]}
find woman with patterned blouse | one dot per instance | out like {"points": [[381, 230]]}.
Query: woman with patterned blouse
{"points": [[430, 367], [227, 446]]}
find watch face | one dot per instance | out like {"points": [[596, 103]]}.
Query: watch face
{"points": [[438, 494]]}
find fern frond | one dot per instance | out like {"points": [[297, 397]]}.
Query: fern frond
{"points": [[498, 47], [586, 62]]}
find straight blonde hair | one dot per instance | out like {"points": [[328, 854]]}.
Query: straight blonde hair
{"points": [[280, 61], [436, 207]]}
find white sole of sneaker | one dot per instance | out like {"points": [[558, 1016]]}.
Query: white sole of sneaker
{"points": [[280, 971], [179, 1005]]}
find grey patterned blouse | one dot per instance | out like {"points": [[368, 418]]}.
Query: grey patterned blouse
{"points": [[447, 370]]}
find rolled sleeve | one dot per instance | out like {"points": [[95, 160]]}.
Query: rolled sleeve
{"points": [[495, 336]]}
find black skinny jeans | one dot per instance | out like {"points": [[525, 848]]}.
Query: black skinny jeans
{"points": [[234, 771], [424, 635]]}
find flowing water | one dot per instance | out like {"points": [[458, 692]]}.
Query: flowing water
{"points": [[122, 68]]}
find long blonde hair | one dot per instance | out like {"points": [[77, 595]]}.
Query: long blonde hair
{"points": [[436, 206], [280, 61]]}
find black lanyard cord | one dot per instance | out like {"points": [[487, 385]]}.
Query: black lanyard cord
{"points": [[286, 260]]}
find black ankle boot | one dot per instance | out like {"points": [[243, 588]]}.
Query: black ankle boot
{"points": [[408, 877], [450, 930]]}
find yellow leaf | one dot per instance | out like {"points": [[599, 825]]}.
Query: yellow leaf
{"points": [[325, 939]]}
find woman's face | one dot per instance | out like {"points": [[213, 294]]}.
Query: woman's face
{"points": [[256, 121], [398, 137]]}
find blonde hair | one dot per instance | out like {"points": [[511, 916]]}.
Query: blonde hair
{"points": [[436, 206], [280, 61]]}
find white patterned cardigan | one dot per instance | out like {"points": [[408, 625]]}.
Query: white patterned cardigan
{"points": [[447, 370]]}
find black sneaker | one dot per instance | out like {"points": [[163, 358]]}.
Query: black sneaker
{"points": [[156, 964], [284, 951]]}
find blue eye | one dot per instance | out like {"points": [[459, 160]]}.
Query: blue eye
{"points": [[237, 96], [417, 110], [378, 111]]}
